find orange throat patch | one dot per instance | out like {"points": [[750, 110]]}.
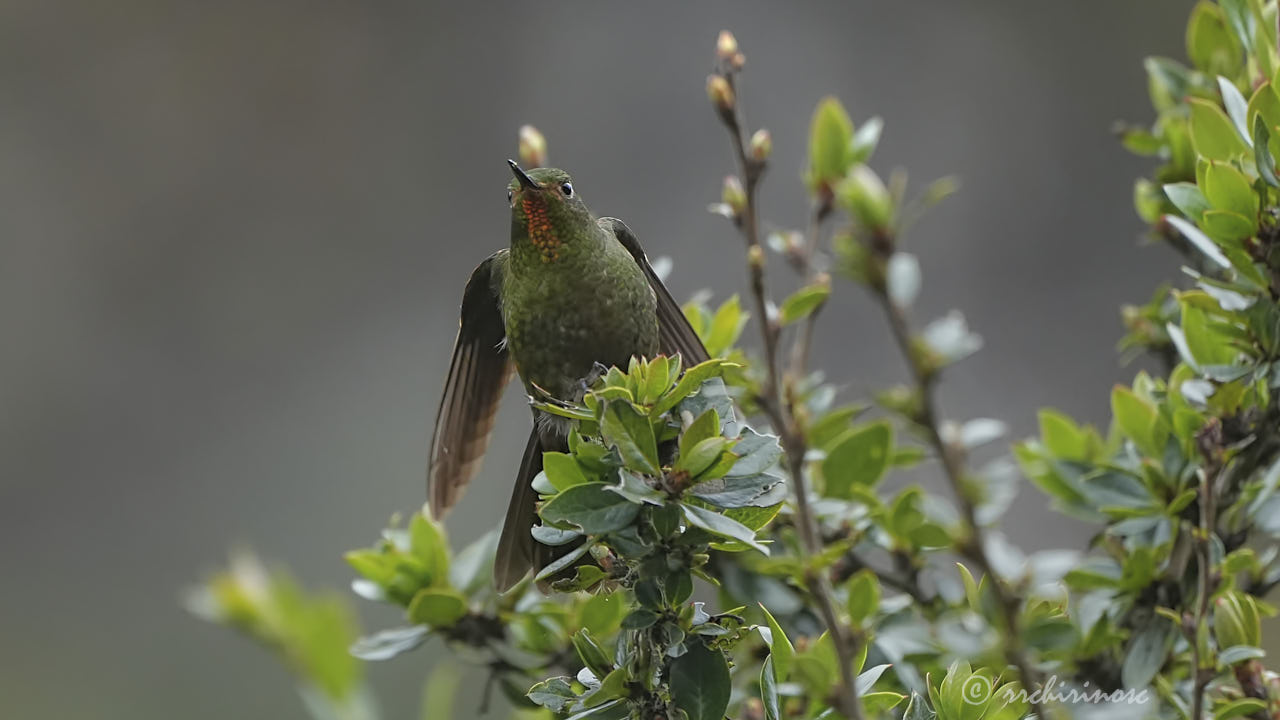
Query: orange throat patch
{"points": [[541, 233]]}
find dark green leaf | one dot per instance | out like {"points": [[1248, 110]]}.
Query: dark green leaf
{"points": [[756, 453], [1147, 652], [591, 508], [700, 682], [634, 488], [736, 492]]}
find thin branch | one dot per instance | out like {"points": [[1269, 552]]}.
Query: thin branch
{"points": [[777, 403], [974, 545], [1209, 441]]}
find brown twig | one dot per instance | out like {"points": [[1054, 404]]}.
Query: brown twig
{"points": [[777, 403]]}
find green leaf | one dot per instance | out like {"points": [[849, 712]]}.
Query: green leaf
{"points": [[1239, 708], [690, 382], [1212, 134], [428, 544], [1226, 188], [1212, 48], [591, 508], [612, 710], [756, 453], [630, 432], [437, 607], [703, 455], [1228, 225], [590, 653], [830, 141], [726, 326], [763, 490], [1204, 342], [754, 517], [864, 596], [1136, 418], [556, 694], [802, 303], [1147, 652], [699, 682], [1199, 240], [1062, 437], [1237, 107], [858, 457], [718, 524], [1188, 199], [769, 689], [1168, 82], [780, 649], [562, 470], [1264, 104], [1265, 161], [705, 426], [603, 613], [864, 195], [635, 489], [1239, 653]]}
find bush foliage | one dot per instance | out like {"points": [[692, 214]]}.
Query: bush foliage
{"points": [[764, 570]]}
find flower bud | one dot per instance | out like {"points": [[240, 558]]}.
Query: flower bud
{"points": [[720, 93], [726, 45], [733, 194], [755, 257], [761, 145], [533, 147], [738, 61]]}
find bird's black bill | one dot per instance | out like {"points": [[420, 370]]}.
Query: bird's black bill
{"points": [[523, 177]]}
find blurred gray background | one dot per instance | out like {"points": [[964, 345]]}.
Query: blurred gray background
{"points": [[235, 236]]}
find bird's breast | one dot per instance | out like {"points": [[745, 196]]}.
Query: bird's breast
{"points": [[561, 322]]}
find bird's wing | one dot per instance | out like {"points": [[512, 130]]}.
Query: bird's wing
{"points": [[478, 372], [675, 334]]}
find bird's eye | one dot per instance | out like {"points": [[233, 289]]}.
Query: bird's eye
{"points": [[567, 189], [509, 195]]}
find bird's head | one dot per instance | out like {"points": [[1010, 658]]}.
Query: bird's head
{"points": [[545, 207]]}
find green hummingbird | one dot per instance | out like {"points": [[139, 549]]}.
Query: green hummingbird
{"points": [[572, 293]]}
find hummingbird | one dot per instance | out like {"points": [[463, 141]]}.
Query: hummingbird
{"points": [[571, 294]]}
